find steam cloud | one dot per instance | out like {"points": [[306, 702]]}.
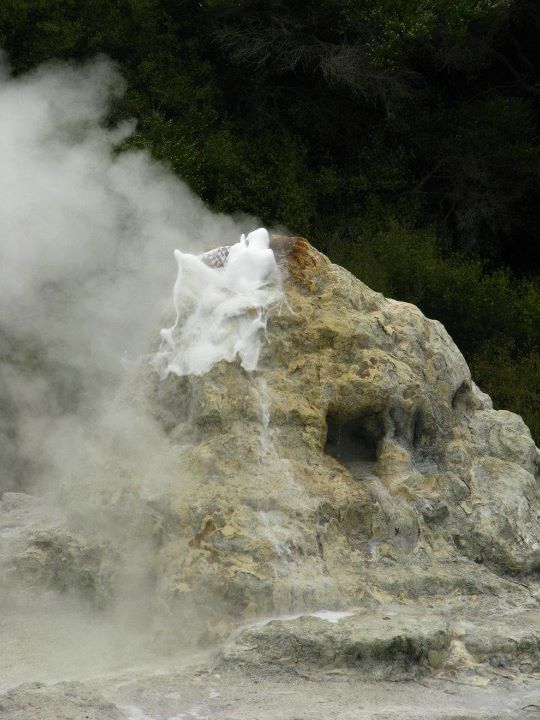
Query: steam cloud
{"points": [[87, 236], [86, 255]]}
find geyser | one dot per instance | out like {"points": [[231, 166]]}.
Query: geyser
{"points": [[221, 310], [169, 508]]}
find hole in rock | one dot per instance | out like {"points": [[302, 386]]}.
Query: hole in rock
{"points": [[354, 443], [462, 400]]}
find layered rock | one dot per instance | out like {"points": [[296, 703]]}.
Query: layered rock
{"points": [[358, 467], [360, 457]]}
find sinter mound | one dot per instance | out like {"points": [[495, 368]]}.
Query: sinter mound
{"points": [[358, 469]]}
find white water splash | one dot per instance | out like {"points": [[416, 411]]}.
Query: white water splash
{"points": [[221, 312], [331, 616]]}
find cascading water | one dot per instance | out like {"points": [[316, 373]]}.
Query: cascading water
{"points": [[222, 301]]}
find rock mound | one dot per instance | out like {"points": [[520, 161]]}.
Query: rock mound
{"points": [[394, 642], [358, 468], [360, 459]]}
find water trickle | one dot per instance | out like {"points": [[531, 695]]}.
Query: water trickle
{"points": [[261, 395], [221, 307]]}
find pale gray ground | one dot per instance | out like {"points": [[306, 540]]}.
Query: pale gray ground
{"points": [[203, 695], [296, 668]]}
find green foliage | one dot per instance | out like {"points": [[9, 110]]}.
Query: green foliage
{"points": [[398, 27], [475, 305], [331, 116], [512, 378], [486, 172]]}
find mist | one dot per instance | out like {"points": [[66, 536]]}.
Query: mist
{"points": [[87, 236], [87, 241]]}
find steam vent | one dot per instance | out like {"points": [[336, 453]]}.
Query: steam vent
{"points": [[359, 466], [354, 507]]}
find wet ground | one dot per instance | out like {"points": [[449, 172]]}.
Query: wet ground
{"points": [[198, 694]]}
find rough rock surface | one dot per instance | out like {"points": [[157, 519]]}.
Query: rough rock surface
{"points": [[395, 642], [38, 548], [65, 701], [359, 469], [359, 459]]}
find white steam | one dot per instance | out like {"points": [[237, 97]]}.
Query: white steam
{"points": [[86, 240], [221, 312], [87, 236]]}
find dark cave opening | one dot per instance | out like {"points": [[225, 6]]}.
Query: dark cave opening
{"points": [[354, 443]]}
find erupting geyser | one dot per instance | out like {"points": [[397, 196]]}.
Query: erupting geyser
{"points": [[184, 539], [221, 301]]}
